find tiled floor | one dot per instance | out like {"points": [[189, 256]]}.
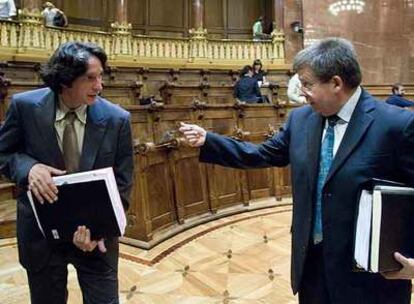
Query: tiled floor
{"points": [[239, 259]]}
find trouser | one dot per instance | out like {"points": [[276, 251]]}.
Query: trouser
{"points": [[313, 287], [97, 278]]}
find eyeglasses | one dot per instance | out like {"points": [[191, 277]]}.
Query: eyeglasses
{"points": [[308, 86]]}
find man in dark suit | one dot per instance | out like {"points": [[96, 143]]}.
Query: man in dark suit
{"points": [[343, 138], [397, 97], [61, 129]]}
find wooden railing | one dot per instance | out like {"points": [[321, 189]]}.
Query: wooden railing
{"points": [[20, 39]]}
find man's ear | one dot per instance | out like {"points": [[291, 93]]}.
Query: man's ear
{"points": [[338, 83]]}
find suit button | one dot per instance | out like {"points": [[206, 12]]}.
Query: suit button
{"points": [[328, 194]]}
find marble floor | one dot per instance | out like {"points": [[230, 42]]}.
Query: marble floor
{"points": [[239, 259], [242, 259]]}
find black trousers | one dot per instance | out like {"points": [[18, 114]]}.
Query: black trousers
{"points": [[313, 287], [97, 278], [364, 288]]}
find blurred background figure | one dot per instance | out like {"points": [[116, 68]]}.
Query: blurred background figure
{"points": [[258, 30], [7, 9], [397, 97], [294, 91], [258, 73], [53, 16], [246, 88]]}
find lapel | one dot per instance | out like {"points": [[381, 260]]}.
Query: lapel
{"points": [[44, 116], [313, 140], [358, 126], [94, 133]]}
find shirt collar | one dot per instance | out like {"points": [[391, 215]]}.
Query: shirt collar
{"points": [[62, 109], [348, 108]]}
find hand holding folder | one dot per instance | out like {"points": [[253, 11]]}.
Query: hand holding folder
{"points": [[89, 199], [41, 182], [406, 273], [384, 226]]}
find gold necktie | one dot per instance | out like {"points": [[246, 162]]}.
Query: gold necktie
{"points": [[70, 146]]}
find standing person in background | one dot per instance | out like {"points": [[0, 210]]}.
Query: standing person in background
{"points": [[53, 16], [397, 97], [7, 9], [294, 91], [60, 129]]}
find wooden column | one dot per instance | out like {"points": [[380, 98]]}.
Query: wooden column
{"points": [[32, 5], [197, 14], [278, 15], [122, 11], [121, 29]]}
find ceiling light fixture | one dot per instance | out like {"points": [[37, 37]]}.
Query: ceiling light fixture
{"points": [[347, 5]]}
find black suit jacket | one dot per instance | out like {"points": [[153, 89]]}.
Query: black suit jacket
{"points": [[28, 136], [379, 142]]}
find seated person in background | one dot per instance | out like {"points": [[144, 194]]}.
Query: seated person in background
{"points": [[7, 9], [258, 73], [53, 16], [294, 91], [246, 88], [397, 97]]}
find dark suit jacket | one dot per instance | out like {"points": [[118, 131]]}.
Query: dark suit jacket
{"points": [[379, 142], [28, 136], [399, 101], [247, 89]]}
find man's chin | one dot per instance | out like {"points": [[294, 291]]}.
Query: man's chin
{"points": [[91, 100]]}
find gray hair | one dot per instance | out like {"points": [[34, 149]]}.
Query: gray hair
{"points": [[331, 57]]}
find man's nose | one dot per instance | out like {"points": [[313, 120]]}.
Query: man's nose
{"points": [[98, 85]]}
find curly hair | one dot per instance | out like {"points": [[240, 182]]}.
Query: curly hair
{"points": [[69, 62]]}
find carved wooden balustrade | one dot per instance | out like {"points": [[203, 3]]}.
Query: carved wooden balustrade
{"points": [[18, 40]]}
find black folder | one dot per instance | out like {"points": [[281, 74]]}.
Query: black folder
{"points": [[385, 227], [85, 203]]}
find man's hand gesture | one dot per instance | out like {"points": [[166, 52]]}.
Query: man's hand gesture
{"points": [[194, 135]]}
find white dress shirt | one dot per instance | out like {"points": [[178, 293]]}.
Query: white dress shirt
{"points": [[7, 9], [344, 114], [79, 123]]}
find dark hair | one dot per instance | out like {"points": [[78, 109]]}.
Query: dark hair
{"points": [[69, 62], [396, 87], [328, 58], [257, 62], [245, 70]]}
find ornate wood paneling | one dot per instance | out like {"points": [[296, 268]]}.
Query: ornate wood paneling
{"points": [[137, 11], [213, 14], [190, 184], [92, 12], [172, 189], [172, 13]]}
